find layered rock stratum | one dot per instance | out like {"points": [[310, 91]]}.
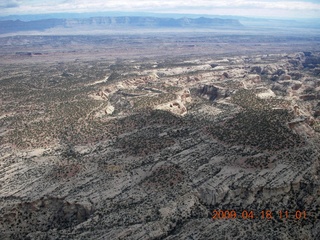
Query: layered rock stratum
{"points": [[148, 150]]}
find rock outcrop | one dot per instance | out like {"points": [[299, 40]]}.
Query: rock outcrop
{"points": [[213, 92], [158, 147]]}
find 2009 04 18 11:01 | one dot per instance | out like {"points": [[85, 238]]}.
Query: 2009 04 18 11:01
{"points": [[263, 214]]}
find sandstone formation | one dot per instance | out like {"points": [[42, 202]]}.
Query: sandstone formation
{"points": [[150, 151]]}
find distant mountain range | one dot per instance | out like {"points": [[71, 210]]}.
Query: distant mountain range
{"points": [[9, 26]]}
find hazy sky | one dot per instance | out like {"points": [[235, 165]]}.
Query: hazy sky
{"points": [[263, 8]]}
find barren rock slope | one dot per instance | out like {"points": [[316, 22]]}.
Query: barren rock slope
{"points": [[153, 150]]}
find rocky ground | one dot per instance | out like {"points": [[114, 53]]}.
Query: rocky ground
{"points": [[149, 149]]}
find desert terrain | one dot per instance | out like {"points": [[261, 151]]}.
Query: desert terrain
{"points": [[145, 136]]}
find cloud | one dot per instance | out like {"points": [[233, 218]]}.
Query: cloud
{"points": [[292, 8], [178, 4], [8, 4], [283, 5]]}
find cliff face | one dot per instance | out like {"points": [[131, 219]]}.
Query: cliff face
{"points": [[118, 22], [213, 92]]}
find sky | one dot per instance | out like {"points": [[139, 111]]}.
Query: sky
{"points": [[290, 9]]}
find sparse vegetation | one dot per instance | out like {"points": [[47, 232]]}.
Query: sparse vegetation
{"points": [[262, 128], [126, 170]]}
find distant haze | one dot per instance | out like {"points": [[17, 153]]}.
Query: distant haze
{"points": [[288, 9], [118, 23]]}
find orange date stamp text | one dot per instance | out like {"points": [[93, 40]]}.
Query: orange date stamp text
{"points": [[263, 214]]}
